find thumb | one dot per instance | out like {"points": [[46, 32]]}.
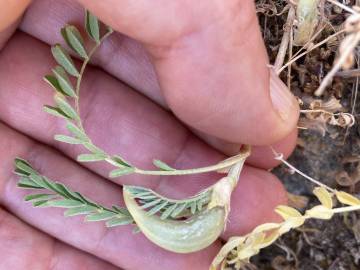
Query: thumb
{"points": [[211, 64], [10, 12]]}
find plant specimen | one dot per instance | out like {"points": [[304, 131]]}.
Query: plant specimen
{"points": [[182, 226]]}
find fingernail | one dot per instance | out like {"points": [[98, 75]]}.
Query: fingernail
{"points": [[283, 100]]}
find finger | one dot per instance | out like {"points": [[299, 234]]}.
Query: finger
{"points": [[10, 12], [118, 246], [261, 156], [211, 47], [125, 59], [23, 247]]}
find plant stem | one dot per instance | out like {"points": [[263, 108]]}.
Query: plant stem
{"points": [[346, 209], [81, 74], [217, 167], [309, 50], [280, 157]]}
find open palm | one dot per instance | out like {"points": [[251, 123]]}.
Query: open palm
{"points": [[194, 69]]}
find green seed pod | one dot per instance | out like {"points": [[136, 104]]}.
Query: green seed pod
{"points": [[180, 236], [307, 20]]}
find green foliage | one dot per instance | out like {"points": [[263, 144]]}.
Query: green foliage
{"points": [[169, 208], [63, 197], [74, 40], [92, 26], [63, 81], [64, 60], [55, 111], [163, 166]]}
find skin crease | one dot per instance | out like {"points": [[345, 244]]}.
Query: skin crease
{"points": [[140, 122]]}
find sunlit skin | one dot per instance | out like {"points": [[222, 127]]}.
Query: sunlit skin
{"points": [[204, 62]]}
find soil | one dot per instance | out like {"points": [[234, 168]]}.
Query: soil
{"points": [[330, 154]]}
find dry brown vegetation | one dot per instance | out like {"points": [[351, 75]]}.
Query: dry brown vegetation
{"points": [[329, 145]]}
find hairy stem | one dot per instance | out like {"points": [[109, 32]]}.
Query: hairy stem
{"points": [[81, 74]]}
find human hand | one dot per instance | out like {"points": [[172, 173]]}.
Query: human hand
{"points": [[205, 62]]}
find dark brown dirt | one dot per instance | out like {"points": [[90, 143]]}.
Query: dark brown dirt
{"points": [[333, 244]]}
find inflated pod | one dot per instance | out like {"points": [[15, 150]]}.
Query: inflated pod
{"points": [[180, 236], [307, 20]]}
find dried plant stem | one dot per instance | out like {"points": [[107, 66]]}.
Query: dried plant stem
{"points": [[305, 46], [346, 209], [342, 6], [290, 56], [321, 111], [309, 50], [285, 39], [343, 57], [348, 73], [280, 157]]}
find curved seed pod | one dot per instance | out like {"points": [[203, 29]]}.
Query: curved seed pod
{"points": [[181, 236], [307, 20]]}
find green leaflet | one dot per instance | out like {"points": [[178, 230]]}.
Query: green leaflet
{"points": [[64, 81], [94, 149], [104, 215], [90, 157], [55, 111], [157, 208], [77, 132], [67, 139], [178, 210], [92, 26], [36, 197], [151, 203], [53, 82], [120, 161], [66, 107], [74, 40], [64, 203], [118, 221], [27, 184], [22, 167], [163, 166], [81, 210], [167, 213], [39, 203], [120, 172], [62, 197], [64, 60]]}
